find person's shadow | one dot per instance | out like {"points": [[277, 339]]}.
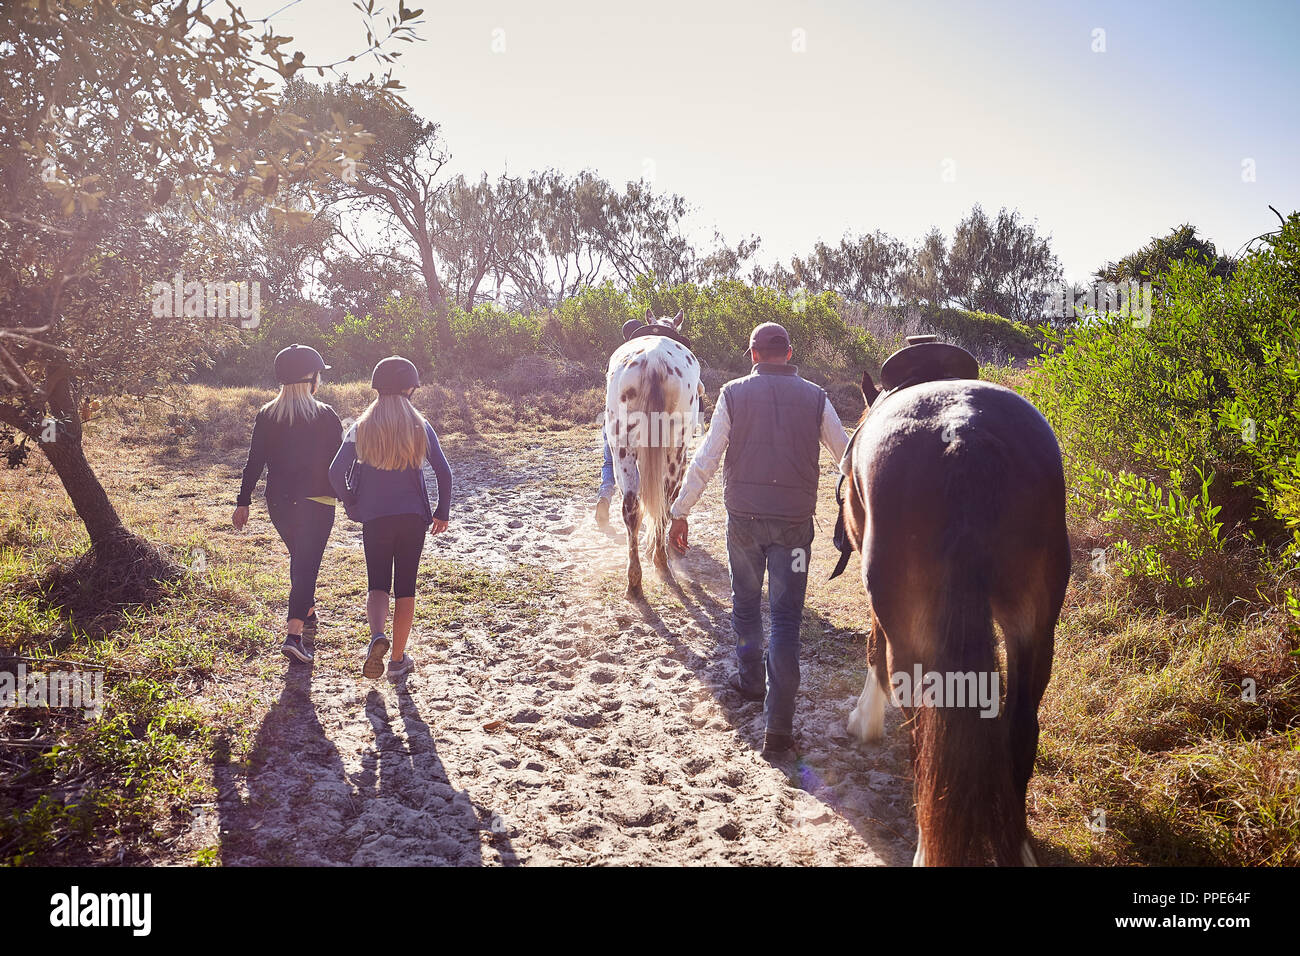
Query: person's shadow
{"points": [[299, 805], [704, 590], [421, 819], [303, 809]]}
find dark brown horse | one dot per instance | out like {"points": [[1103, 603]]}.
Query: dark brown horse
{"points": [[956, 501]]}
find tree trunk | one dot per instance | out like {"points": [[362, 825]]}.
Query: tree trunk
{"points": [[437, 296], [83, 487], [473, 290], [79, 480]]}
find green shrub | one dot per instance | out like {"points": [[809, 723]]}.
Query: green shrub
{"points": [[490, 338], [719, 317], [1174, 431], [398, 327], [585, 328]]}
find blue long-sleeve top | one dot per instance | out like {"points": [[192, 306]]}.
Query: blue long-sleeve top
{"points": [[375, 492]]}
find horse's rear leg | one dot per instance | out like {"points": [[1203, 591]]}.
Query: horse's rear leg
{"points": [[632, 519], [1030, 664], [867, 719], [672, 485], [1030, 638], [659, 552]]}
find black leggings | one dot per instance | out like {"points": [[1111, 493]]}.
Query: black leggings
{"points": [[304, 527], [393, 544]]}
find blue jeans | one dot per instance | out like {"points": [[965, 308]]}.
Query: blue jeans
{"points": [[607, 487], [782, 548], [304, 527]]}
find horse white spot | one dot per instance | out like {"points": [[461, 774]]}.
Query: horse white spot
{"points": [[867, 719]]}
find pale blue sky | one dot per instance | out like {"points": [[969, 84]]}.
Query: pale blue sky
{"points": [[1102, 149]]}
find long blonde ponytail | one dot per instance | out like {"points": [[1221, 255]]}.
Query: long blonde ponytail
{"points": [[294, 403], [390, 434]]}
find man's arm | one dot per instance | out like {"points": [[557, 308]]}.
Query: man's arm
{"points": [[833, 435], [707, 458]]}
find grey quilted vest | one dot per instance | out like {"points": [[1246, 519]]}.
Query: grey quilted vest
{"points": [[770, 470]]}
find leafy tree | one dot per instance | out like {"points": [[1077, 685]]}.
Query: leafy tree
{"points": [[926, 278], [1000, 265], [397, 178], [1154, 259], [120, 121], [866, 269], [478, 226]]}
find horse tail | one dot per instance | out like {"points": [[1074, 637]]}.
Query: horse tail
{"points": [[652, 454], [965, 796]]}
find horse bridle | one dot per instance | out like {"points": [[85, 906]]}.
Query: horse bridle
{"points": [[840, 537]]}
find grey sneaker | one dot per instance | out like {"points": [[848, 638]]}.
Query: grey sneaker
{"points": [[293, 649], [399, 669], [602, 513], [374, 665]]}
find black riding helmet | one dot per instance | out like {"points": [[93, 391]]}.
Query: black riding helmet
{"points": [[297, 364], [394, 375]]}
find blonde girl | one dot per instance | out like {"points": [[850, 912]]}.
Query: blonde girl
{"points": [[379, 476]]}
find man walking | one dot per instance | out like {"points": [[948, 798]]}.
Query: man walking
{"points": [[770, 426]]}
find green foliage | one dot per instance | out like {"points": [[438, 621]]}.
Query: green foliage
{"points": [[1165, 426], [398, 327], [1157, 256], [490, 338], [585, 328], [719, 318]]}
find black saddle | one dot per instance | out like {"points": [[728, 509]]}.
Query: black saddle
{"points": [[664, 330], [923, 359]]}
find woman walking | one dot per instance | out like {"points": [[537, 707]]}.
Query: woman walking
{"points": [[294, 439], [378, 474]]}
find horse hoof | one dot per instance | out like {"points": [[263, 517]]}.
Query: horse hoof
{"points": [[634, 593], [861, 729]]}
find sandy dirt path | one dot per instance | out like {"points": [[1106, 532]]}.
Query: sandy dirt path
{"points": [[599, 732]]}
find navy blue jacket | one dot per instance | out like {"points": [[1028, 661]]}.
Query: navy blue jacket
{"points": [[368, 492]]}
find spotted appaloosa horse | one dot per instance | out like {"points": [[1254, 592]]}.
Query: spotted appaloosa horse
{"points": [[956, 501], [652, 406]]}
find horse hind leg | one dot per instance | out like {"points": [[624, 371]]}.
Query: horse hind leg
{"points": [[632, 519], [659, 553], [867, 719], [1029, 632]]}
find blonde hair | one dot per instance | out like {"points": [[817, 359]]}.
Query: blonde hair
{"points": [[294, 403], [390, 434]]}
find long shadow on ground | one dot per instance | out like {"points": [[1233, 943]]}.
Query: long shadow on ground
{"points": [[699, 569], [303, 808]]}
